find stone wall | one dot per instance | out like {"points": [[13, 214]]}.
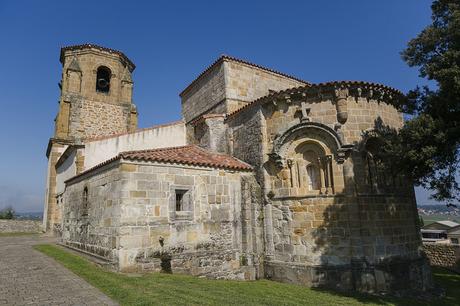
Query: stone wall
{"points": [[92, 118], [205, 95], [443, 255], [245, 83], [85, 112], [20, 226], [91, 210], [228, 85], [247, 140], [317, 230], [132, 219]]}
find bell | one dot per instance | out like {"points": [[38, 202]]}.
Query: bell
{"points": [[102, 83]]}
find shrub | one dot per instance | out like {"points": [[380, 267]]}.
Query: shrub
{"points": [[7, 213]]}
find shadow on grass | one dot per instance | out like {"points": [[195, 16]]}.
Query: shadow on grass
{"points": [[176, 289], [447, 280]]}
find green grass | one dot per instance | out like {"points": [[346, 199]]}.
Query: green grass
{"points": [[175, 289], [15, 234]]}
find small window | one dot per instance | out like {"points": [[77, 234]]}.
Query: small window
{"points": [[454, 240], [85, 201], [181, 204], [103, 79]]}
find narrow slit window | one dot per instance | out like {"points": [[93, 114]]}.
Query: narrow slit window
{"points": [[85, 201], [180, 200]]}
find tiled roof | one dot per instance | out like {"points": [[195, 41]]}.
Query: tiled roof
{"points": [[87, 46], [335, 84], [234, 59], [188, 155], [91, 139]]}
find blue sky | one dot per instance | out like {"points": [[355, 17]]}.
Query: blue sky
{"points": [[173, 41]]}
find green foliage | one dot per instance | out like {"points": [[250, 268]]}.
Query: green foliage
{"points": [[427, 147], [7, 213], [421, 221], [176, 289]]}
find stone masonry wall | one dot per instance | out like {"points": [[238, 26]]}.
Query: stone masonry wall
{"points": [[247, 137], [20, 226], [245, 83], [91, 218], [314, 235], [443, 255], [229, 86], [204, 240], [94, 113], [91, 118], [131, 219], [205, 94]]}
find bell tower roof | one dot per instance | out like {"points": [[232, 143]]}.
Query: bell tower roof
{"points": [[129, 63]]}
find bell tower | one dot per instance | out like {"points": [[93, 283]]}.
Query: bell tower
{"points": [[96, 100], [96, 93]]}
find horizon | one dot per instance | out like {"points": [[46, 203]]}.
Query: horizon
{"points": [[171, 44]]}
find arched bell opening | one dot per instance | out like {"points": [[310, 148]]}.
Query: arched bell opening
{"points": [[103, 77]]}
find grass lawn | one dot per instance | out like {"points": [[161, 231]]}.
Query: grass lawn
{"points": [[15, 234], [175, 289]]}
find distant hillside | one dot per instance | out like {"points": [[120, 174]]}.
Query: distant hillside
{"points": [[432, 213], [29, 215]]}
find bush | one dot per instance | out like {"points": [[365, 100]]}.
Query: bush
{"points": [[7, 213]]}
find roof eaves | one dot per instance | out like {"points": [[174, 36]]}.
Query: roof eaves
{"points": [[87, 46], [313, 86], [98, 166]]}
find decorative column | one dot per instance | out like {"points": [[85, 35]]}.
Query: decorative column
{"points": [[291, 175], [322, 174], [330, 188]]}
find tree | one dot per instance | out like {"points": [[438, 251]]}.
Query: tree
{"points": [[426, 149], [421, 221], [7, 213]]}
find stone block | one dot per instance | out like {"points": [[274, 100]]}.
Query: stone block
{"points": [[128, 168], [183, 180], [137, 194]]}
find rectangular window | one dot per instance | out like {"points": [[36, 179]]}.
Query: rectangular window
{"points": [[454, 240], [182, 205], [181, 200]]}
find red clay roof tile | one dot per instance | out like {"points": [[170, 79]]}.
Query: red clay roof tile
{"points": [[189, 155]]}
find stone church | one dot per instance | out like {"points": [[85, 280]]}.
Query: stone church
{"points": [[266, 176]]}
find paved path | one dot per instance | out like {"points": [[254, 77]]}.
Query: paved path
{"points": [[28, 277]]}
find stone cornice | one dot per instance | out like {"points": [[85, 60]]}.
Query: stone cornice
{"points": [[100, 48], [336, 91]]}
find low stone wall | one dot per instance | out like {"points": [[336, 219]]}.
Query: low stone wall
{"points": [[443, 255], [23, 226]]}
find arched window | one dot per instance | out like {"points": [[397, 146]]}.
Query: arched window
{"points": [[103, 79], [375, 175], [313, 177]]}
